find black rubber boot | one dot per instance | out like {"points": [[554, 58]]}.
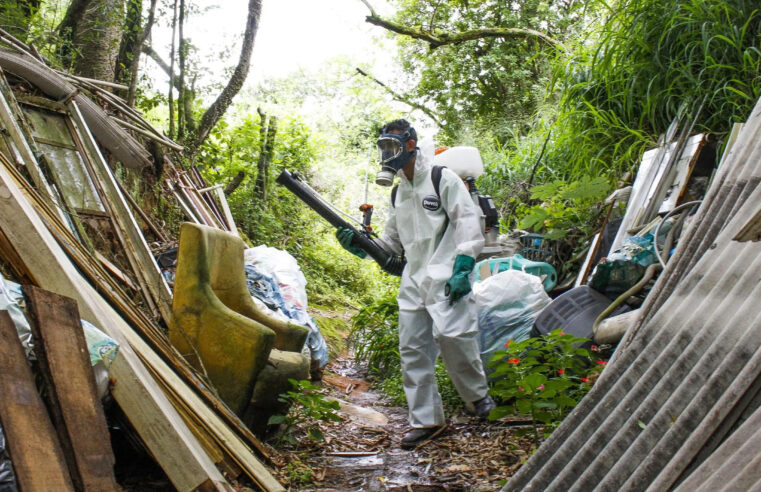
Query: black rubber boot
{"points": [[418, 436], [483, 407]]}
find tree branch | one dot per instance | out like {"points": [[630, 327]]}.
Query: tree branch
{"points": [[436, 37], [234, 183], [403, 99], [148, 50], [223, 101]]}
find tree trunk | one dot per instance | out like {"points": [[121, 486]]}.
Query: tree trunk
{"points": [[225, 98], [172, 79], [134, 38], [181, 96], [267, 135], [94, 28], [234, 183], [15, 16], [130, 35]]}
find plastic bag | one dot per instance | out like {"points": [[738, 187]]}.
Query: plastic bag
{"points": [[544, 271], [282, 267], [101, 346], [10, 293], [274, 278], [7, 477], [507, 303]]}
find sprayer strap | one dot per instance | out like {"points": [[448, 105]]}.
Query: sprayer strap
{"points": [[435, 179]]}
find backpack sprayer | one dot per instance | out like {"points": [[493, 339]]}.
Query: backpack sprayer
{"points": [[389, 263]]}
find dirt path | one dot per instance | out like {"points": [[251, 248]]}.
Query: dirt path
{"points": [[362, 452]]}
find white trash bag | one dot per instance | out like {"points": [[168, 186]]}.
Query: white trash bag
{"points": [[507, 303]]}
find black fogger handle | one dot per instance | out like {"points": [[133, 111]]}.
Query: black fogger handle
{"points": [[389, 263]]}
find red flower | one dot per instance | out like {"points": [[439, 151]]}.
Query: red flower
{"points": [[562, 332], [514, 361], [584, 380], [560, 371], [520, 388], [540, 387], [602, 362], [594, 348], [508, 343]]}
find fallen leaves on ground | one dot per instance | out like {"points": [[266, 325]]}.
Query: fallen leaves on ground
{"points": [[471, 455]]}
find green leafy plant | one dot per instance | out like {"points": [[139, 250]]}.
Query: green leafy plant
{"points": [[375, 338], [307, 407], [565, 208], [299, 473], [543, 377]]}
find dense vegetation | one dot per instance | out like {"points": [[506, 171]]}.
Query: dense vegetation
{"points": [[561, 96]]}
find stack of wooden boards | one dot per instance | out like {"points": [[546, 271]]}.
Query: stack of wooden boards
{"points": [[193, 436], [77, 452]]}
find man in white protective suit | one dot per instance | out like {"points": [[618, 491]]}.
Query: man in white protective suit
{"points": [[439, 232]]}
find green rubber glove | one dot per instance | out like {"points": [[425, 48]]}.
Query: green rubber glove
{"points": [[345, 236], [458, 284]]}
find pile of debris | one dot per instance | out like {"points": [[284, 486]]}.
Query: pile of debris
{"points": [[622, 261], [72, 154], [678, 405]]}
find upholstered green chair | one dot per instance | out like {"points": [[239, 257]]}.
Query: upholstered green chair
{"points": [[219, 330]]}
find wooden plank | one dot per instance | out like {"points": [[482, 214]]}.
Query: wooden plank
{"points": [[181, 202], [157, 422], [677, 184], [125, 220], [156, 231], [226, 210], [208, 419], [208, 411], [115, 271], [636, 201], [60, 346], [32, 441]]}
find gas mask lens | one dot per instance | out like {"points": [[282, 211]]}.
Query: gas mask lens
{"points": [[388, 149]]}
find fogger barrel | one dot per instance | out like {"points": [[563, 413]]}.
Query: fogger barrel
{"points": [[389, 263]]}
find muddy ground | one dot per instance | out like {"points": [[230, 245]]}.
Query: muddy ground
{"points": [[362, 451]]}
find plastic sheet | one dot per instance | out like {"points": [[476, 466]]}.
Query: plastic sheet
{"points": [[101, 346], [507, 303], [275, 279], [624, 267], [7, 477], [10, 293]]}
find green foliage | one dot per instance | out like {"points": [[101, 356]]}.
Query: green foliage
{"points": [[487, 85], [307, 405], [333, 328], [375, 337], [282, 220], [542, 377], [565, 208], [299, 473], [615, 87]]}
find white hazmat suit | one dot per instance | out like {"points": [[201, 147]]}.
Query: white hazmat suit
{"points": [[428, 324]]}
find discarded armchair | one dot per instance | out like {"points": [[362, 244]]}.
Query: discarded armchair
{"points": [[219, 330]]}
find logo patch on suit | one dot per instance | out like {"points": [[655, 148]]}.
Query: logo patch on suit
{"points": [[431, 202]]}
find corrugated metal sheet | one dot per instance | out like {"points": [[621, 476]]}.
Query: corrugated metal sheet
{"points": [[687, 373]]}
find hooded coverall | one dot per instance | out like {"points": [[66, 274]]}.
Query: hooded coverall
{"points": [[427, 322]]}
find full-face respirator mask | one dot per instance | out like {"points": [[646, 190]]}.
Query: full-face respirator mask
{"points": [[393, 154]]}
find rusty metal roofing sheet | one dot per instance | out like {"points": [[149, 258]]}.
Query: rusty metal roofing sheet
{"points": [[686, 371]]}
